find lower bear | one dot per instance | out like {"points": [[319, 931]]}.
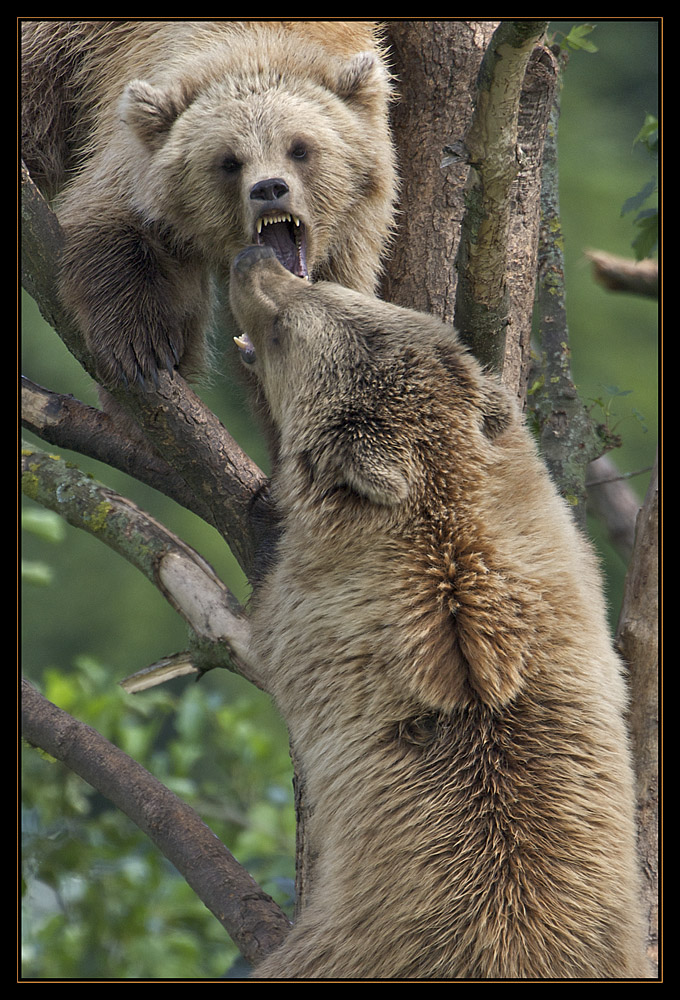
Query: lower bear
{"points": [[170, 145], [433, 632]]}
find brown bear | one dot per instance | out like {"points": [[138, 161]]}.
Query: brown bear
{"points": [[433, 631], [173, 144]]}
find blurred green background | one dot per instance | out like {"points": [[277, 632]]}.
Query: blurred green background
{"points": [[99, 902], [614, 337]]}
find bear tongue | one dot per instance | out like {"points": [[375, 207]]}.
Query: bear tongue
{"points": [[288, 246]]}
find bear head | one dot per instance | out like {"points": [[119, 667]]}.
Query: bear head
{"points": [[282, 156], [391, 435], [377, 398]]}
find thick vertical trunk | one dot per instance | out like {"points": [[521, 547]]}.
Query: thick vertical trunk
{"points": [[437, 65]]}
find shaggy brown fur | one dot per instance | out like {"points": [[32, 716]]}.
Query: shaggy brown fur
{"points": [[434, 634], [170, 141]]}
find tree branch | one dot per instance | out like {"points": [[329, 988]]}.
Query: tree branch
{"points": [[191, 439], [614, 503], [187, 436], [186, 581], [482, 304], [569, 441], [65, 422], [250, 917], [42, 241], [619, 274], [536, 103]]}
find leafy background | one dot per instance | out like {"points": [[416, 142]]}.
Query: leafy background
{"points": [[98, 900]]}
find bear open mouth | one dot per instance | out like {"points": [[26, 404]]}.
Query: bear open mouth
{"points": [[286, 235]]}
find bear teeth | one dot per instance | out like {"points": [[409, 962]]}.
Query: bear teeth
{"points": [[246, 349], [267, 220]]}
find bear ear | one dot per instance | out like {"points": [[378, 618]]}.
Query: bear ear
{"points": [[363, 70], [497, 408], [150, 112], [370, 468], [376, 481]]}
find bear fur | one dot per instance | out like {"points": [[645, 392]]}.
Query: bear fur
{"points": [[433, 631], [168, 144]]}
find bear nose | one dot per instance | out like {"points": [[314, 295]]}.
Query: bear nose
{"points": [[269, 190]]}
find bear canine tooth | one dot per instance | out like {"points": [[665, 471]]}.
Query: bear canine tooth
{"points": [[245, 346]]}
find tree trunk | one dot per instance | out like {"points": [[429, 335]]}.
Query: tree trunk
{"points": [[437, 65], [638, 642]]}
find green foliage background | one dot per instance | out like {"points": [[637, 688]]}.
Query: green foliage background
{"points": [[613, 337], [98, 900]]}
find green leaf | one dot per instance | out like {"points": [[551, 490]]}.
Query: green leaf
{"points": [[648, 135], [647, 220], [37, 573], [638, 200], [647, 240], [577, 38], [43, 523]]}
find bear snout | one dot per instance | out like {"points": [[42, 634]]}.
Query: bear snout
{"points": [[255, 293], [271, 189], [246, 259]]}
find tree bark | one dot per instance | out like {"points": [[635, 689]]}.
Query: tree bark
{"points": [[569, 440], [637, 640], [250, 917], [437, 64], [536, 104], [494, 155]]}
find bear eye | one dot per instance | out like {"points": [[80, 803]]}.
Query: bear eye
{"points": [[298, 151], [230, 165]]}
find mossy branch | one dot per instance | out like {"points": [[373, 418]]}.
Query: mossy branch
{"points": [[482, 301], [185, 579], [569, 439]]}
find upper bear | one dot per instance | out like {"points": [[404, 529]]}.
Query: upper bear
{"points": [[172, 145]]}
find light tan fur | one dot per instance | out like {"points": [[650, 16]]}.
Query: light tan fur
{"points": [[155, 134], [433, 631]]}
